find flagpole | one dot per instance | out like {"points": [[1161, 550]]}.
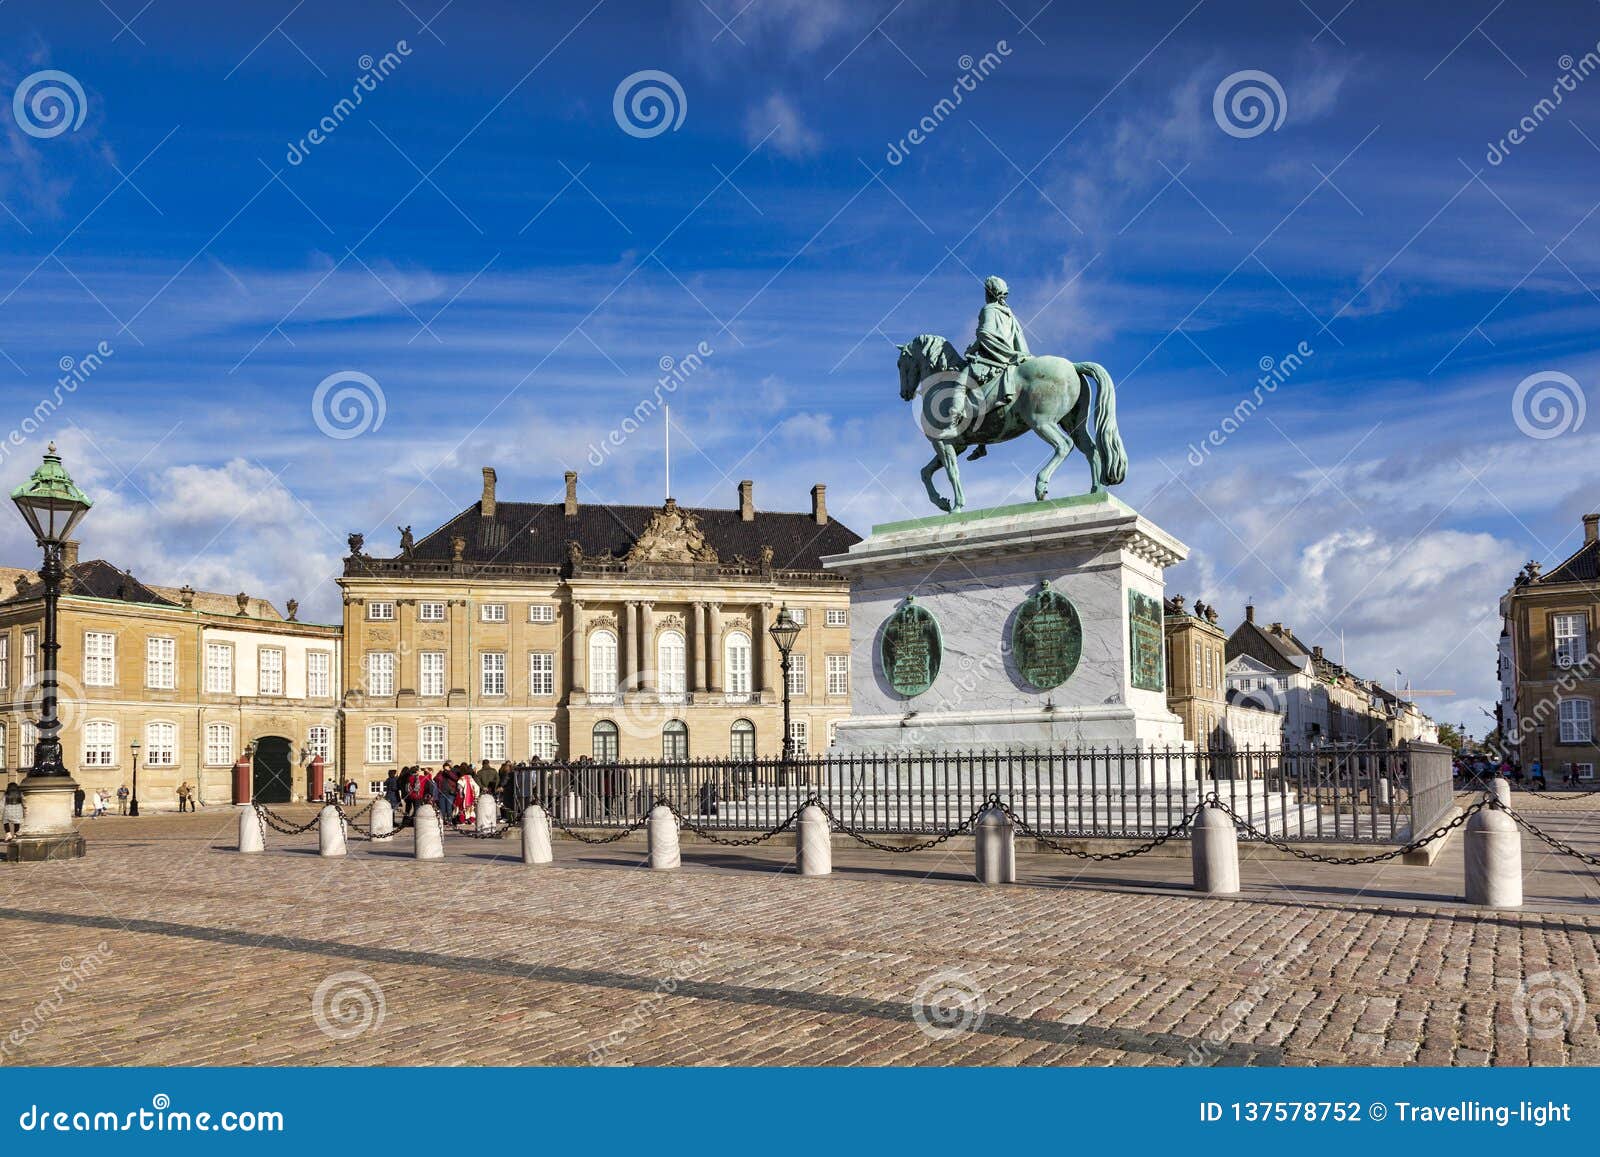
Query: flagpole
{"points": [[668, 410]]}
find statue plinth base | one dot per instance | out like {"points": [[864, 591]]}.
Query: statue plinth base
{"points": [[47, 832], [974, 572]]}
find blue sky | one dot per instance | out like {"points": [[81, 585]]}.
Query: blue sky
{"points": [[482, 239]]}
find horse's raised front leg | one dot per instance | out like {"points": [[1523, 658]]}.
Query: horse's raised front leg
{"points": [[934, 496], [1052, 434], [952, 470]]}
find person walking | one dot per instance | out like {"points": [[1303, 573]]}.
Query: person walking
{"points": [[99, 804], [11, 810], [78, 796], [122, 800], [184, 803], [391, 791]]}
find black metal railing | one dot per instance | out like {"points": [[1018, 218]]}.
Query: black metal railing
{"points": [[1367, 795]]}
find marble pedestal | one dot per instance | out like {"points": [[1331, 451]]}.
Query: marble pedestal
{"points": [[974, 572], [47, 832]]}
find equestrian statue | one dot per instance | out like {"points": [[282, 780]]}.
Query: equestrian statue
{"points": [[998, 390]]}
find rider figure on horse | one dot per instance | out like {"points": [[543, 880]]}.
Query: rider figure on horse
{"points": [[999, 345]]}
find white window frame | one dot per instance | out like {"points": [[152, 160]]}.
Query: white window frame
{"points": [[319, 741], [737, 730], [492, 674], [542, 741], [836, 617], [29, 741], [493, 612], [672, 651], [430, 682], [99, 659], [541, 612], [433, 743], [602, 665], [799, 676], [30, 659], [798, 614], [431, 612], [219, 745], [613, 732], [269, 671], [160, 743], [676, 728], [380, 743], [541, 673], [492, 743], [1576, 718], [1569, 635], [800, 736], [838, 664], [319, 674], [5, 658], [161, 663], [380, 612], [214, 684], [736, 664], [380, 673], [99, 743]]}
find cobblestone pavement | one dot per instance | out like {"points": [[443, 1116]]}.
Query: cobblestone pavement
{"points": [[165, 946]]}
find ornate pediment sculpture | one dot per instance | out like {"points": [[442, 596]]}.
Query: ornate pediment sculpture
{"points": [[674, 535]]}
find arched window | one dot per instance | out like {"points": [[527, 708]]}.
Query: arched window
{"points": [[670, 666], [737, 665], [742, 740], [603, 664], [160, 744], [604, 743], [219, 745], [675, 741]]}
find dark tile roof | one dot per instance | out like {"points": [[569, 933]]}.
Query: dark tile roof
{"points": [[532, 533], [98, 579], [1582, 567], [1281, 652]]}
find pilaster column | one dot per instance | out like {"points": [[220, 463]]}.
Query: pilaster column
{"points": [[647, 643], [763, 648], [714, 647], [626, 633], [697, 636], [577, 659]]}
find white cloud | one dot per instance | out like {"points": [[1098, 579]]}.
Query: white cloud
{"points": [[778, 117]]}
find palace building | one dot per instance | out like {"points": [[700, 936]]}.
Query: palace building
{"points": [[1196, 683], [194, 678], [570, 629]]}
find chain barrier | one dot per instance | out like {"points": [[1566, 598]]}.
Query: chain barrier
{"points": [[557, 821], [1126, 854], [278, 824], [1247, 828], [1559, 845], [706, 833], [1541, 796], [877, 846]]}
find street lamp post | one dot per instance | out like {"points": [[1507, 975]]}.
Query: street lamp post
{"points": [[784, 632], [53, 506], [133, 804]]}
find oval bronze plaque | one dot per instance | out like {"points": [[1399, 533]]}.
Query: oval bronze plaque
{"points": [[911, 649], [1047, 638]]}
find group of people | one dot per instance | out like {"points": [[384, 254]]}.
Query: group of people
{"points": [[1481, 767], [454, 790]]}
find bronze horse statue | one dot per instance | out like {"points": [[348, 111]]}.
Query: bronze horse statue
{"points": [[1052, 399]]}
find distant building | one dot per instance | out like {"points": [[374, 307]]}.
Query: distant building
{"points": [[1548, 668], [1196, 679]]}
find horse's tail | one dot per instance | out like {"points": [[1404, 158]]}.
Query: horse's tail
{"points": [[1107, 438]]}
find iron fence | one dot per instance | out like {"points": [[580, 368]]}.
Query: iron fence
{"points": [[1366, 795]]}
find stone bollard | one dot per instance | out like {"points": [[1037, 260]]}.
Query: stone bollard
{"points": [[1500, 788], [574, 809], [382, 820], [1214, 847], [430, 839], [1385, 795], [813, 842], [488, 813], [1492, 852], [536, 836], [250, 840], [995, 841], [663, 832], [330, 832]]}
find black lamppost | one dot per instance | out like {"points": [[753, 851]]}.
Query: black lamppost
{"points": [[133, 804], [784, 632], [53, 506]]}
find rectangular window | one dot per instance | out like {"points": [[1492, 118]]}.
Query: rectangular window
{"points": [[30, 740], [838, 674], [431, 743], [5, 659], [1585, 771], [837, 617], [219, 670], [1197, 675], [99, 659], [219, 745], [380, 673], [799, 678], [380, 743], [798, 614], [430, 673], [161, 664], [492, 742], [797, 736], [380, 612], [1577, 721], [541, 673], [542, 740], [269, 661], [494, 612], [430, 612], [319, 675], [30, 657], [541, 613], [1571, 639], [319, 741], [99, 743], [160, 744], [492, 667]]}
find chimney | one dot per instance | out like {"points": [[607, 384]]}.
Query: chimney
{"points": [[486, 507], [69, 551], [819, 504], [1277, 628], [1591, 527], [1249, 612], [1316, 653], [571, 507], [747, 501]]}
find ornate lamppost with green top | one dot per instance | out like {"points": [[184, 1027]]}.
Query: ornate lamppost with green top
{"points": [[53, 506], [784, 631]]}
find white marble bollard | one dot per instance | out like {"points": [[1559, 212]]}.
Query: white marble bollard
{"points": [[382, 820], [1492, 853], [330, 832], [1500, 788], [1384, 792], [250, 840], [995, 843], [488, 813], [574, 806], [813, 842], [663, 832], [1214, 846], [430, 839], [536, 836]]}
